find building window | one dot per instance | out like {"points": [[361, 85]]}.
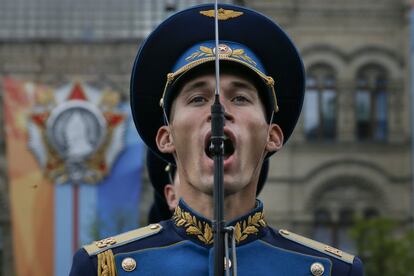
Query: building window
{"points": [[320, 104], [371, 104], [86, 20], [323, 226], [334, 232], [337, 207], [370, 213], [345, 222]]}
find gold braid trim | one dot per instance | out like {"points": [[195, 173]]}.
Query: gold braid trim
{"points": [[243, 229], [193, 226], [106, 263], [203, 231]]}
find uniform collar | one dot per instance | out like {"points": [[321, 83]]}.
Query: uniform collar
{"points": [[197, 228]]}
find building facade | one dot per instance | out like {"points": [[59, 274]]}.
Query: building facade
{"points": [[350, 154]]}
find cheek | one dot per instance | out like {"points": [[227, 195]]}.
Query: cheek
{"points": [[185, 127], [180, 117], [254, 120], [183, 122], [256, 129]]}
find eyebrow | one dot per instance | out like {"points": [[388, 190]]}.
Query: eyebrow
{"points": [[195, 85], [205, 84], [243, 84]]}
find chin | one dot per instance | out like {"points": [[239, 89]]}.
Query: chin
{"points": [[206, 185], [231, 188], [231, 185], [229, 192]]}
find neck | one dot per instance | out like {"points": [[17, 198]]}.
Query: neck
{"points": [[235, 205]]}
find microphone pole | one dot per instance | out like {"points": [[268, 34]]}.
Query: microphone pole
{"points": [[217, 150]]}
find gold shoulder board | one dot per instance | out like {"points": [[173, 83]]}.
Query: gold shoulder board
{"points": [[326, 249], [127, 237]]}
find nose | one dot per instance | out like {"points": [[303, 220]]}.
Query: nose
{"points": [[228, 117]]}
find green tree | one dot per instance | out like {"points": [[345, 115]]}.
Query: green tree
{"points": [[384, 247]]}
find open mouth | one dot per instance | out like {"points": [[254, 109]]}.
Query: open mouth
{"points": [[228, 147]]}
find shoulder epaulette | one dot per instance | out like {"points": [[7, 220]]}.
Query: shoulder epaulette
{"points": [[127, 237], [326, 249]]}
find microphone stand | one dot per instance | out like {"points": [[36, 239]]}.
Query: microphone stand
{"points": [[217, 150]]}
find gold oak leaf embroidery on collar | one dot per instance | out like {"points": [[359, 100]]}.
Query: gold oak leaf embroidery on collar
{"points": [[203, 230], [243, 229], [193, 226]]}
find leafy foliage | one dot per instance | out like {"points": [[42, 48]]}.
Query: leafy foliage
{"points": [[386, 249]]}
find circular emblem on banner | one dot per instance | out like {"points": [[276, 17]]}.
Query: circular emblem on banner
{"points": [[76, 129]]}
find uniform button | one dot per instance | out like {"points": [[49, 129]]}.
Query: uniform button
{"points": [[317, 269], [128, 264], [227, 265], [154, 226]]}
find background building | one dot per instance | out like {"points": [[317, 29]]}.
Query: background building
{"points": [[350, 154]]}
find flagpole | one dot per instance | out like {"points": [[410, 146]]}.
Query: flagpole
{"points": [[412, 112], [75, 217]]}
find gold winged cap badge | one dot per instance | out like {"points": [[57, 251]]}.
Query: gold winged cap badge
{"points": [[222, 14]]}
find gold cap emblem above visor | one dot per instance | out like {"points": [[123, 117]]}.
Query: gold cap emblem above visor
{"points": [[222, 14], [229, 51], [223, 50]]}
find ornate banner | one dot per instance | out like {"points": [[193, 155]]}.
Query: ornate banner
{"points": [[76, 133], [74, 164]]}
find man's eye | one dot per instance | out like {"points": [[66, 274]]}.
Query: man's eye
{"points": [[197, 100], [240, 99]]}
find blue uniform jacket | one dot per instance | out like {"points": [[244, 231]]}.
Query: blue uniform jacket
{"points": [[183, 246]]}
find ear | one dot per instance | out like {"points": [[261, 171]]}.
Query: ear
{"points": [[164, 140], [170, 196], [275, 138]]}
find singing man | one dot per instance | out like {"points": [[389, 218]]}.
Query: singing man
{"points": [[172, 90]]}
